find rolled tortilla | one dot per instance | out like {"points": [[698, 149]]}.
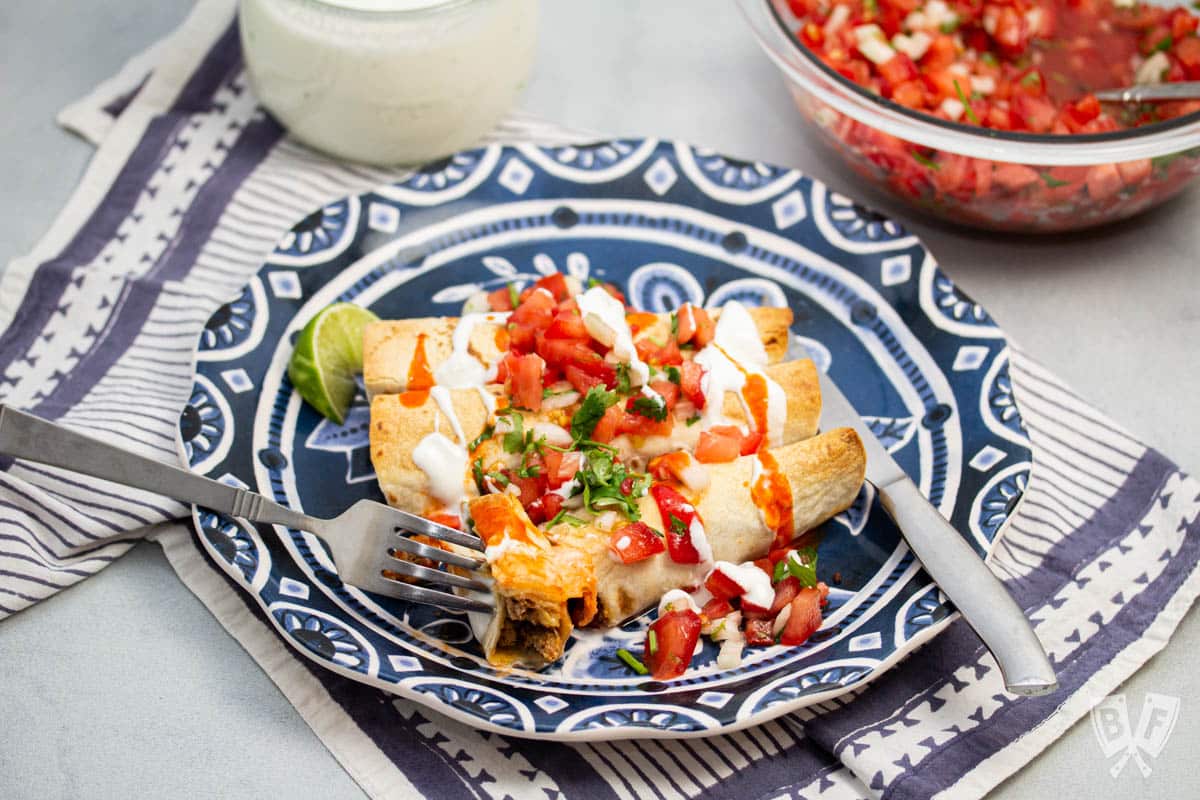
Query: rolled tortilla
{"points": [[399, 422], [541, 591], [823, 475], [389, 346]]}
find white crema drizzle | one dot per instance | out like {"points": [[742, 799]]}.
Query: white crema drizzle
{"points": [[735, 351], [444, 461]]}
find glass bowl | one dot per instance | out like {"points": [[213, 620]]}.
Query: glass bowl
{"points": [[979, 177]]}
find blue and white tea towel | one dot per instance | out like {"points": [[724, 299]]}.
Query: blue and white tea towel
{"points": [[192, 184]]}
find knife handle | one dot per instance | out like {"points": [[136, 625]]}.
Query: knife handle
{"points": [[968, 582]]}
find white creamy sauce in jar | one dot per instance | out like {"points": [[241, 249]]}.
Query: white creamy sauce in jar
{"points": [[388, 81]]}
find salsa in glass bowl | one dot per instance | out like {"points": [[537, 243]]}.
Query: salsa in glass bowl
{"points": [[983, 111]]}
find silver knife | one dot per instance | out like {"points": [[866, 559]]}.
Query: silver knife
{"points": [[952, 563]]}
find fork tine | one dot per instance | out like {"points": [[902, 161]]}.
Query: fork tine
{"points": [[406, 545], [435, 576], [429, 597], [432, 529]]}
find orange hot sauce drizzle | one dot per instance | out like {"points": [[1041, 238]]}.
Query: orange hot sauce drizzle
{"points": [[420, 376], [755, 395], [772, 493]]}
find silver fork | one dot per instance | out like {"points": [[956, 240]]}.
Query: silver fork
{"points": [[363, 540]]}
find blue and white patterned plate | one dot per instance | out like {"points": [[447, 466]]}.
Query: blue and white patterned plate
{"points": [[669, 223]]}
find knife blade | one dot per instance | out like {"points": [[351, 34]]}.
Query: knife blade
{"points": [[952, 563]]}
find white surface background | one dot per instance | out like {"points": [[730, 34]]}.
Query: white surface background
{"points": [[125, 686]]}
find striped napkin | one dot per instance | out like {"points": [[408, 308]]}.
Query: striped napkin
{"points": [[192, 184]]}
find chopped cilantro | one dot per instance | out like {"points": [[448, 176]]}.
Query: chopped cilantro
{"points": [[781, 571], [1052, 181], [674, 324], [481, 438], [1032, 79], [962, 98], [514, 296], [677, 526], [632, 662], [693, 419], [925, 160], [650, 407], [871, 6], [624, 382], [592, 282], [477, 473], [991, 60], [529, 471], [563, 516], [652, 642], [949, 26], [803, 568], [1164, 44], [514, 440], [673, 375], [597, 401]]}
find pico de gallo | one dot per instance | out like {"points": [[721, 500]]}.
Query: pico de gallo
{"points": [[574, 390], [1028, 66], [1014, 65]]}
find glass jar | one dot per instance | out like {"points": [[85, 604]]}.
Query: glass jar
{"points": [[388, 81]]}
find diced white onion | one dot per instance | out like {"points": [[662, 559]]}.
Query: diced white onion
{"points": [[676, 600], [958, 69], [914, 46], [837, 18], [555, 434], [873, 44], [732, 629], [1152, 69], [983, 84], [730, 654], [606, 521], [560, 400], [952, 108], [781, 620]]}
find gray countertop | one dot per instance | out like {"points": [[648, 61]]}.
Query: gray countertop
{"points": [[125, 686]]}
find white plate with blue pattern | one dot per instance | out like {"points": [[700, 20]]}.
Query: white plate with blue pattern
{"points": [[669, 223]]}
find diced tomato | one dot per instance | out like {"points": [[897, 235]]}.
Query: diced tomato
{"points": [[531, 488], [659, 354], [545, 508], [719, 444], [759, 632], [691, 376], [1188, 52], [812, 34], [677, 516], [580, 380], [716, 609], [564, 353], [674, 641], [785, 591], [1036, 114], [521, 338], [1103, 181], [668, 391], [635, 541], [635, 423], [606, 429], [897, 69], [555, 283], [941, 53], [561, 467], [1183, 23], [911, 94], [805, 617], [525, 380], [536, 310], [500, 299], [567, 325], [1133, 172], [721, 586], [1014, 177]]}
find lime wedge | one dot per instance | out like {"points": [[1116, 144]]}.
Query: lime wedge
{"points": [[328, 355]]}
